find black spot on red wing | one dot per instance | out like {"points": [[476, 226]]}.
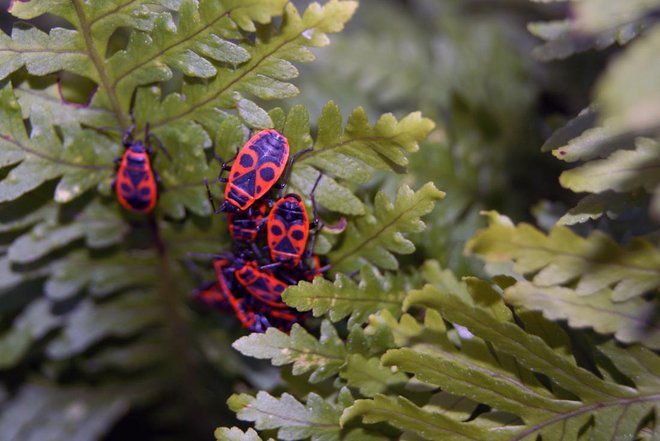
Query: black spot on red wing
{"points": [[246, 161], [136, 176], [145, 191], [298, 235], [125, 187], [137, 202], [246, 182], [276, 230], [267, 174], [285, 246]]}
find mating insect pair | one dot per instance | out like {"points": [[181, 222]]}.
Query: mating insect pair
{"points": [[254, 296]]}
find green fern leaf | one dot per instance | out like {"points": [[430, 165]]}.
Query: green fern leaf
{"points": [[596, 205], [583, 138], [110, 274], [604, 406], [203, 32], [596, 15], [620, 103], [100, 226], [262, 73], [369, 377], [99, 19], [60, 112], [32, 325], [429, 425], [593, 24], [374, 237], [83, 158], [318, 419], [89, 412], [236, 434], [324, 357], [630, 321], [623, 171], [345, 297], [563, 257], [351, 154], [89, 323], [10, 277]]}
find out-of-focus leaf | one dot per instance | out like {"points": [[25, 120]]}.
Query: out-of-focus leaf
{"points": [[628, 91], [99, 225], [33, 324], [236, 434], [623, 171], [90, 322], [109, 275], [563, 257], [630, 321], [73, 413]]}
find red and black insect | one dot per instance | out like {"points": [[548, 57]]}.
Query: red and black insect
{"points": [[212, 295], [224, 275], [136, 181], [255, 170], [245, 226], [288, 230], [263, 286]]}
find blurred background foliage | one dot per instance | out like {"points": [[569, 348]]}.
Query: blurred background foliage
{"points": [[470, 65], [467, 65]]}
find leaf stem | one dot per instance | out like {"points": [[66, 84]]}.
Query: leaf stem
{"points": [[190, 389], [86, 31]]}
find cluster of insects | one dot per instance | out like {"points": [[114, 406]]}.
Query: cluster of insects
{"points": [[271, 237], [272, 243]]}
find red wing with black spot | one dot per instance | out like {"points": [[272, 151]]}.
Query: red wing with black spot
{"points": [[288, 230], [263, 286], [257, 167]]}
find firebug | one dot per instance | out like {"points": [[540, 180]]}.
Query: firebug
{"points": [[255, 170], [136, 181]]}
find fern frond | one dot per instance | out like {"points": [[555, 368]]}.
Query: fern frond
{"points": [[317, 419], [98, 225], [344, 297], [90, 412], [202, 35], [90, 322], [593, 24], [324, 357], [630, 321], [563, 258], [84, 159], [110, 274], [572, 401], [376, 236], [623, 171], [30, 326], [261, 75], [236, 434]]}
